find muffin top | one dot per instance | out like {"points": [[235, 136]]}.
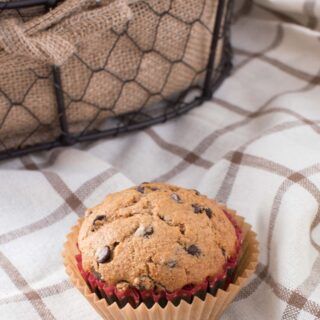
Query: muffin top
{"points": [[156, 237]]}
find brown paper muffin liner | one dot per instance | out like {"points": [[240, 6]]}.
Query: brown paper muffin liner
{"points": [[209, 309]]}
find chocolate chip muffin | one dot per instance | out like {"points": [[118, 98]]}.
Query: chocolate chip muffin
{"points": [[157, 238]]}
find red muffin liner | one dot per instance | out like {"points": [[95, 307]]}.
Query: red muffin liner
{"points": [[149, 297]]}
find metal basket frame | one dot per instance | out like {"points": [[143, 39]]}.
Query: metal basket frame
{"points": [[214, 77]]}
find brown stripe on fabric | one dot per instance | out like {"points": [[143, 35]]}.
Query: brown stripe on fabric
{"points": [[253, 285], [295, 178], [268, 165], [307, 287], [312, 124], [262, 275], [294, 306], [315, 223], [199, 149], [210, 139], [231, 107], [310, 283], [254, 55], [252, 161], [301, 178], [285, 294], [228, 182], [43, 292], [51, 158], [280, 291], [19, 281], [62, 211], [301, 75], [183, 153], [58, 185], [308, 9]]}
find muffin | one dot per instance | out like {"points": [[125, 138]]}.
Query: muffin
{"points": [[157, 243]]}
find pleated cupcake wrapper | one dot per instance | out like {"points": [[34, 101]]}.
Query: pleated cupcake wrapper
{"points": [[213, 305], [149, 298]]}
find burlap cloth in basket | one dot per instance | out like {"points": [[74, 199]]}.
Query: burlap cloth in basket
{"points": [[115, 57], [209, 309]]}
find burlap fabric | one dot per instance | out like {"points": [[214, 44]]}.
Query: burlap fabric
{"points": [[115, 57]]}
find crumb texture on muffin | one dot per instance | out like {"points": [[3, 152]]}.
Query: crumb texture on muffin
{"points": [[156, 237]]}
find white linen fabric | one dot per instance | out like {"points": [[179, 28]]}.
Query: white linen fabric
{"points": [[255, 146]]}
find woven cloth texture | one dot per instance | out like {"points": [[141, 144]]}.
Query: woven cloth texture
{"points": [[115, 57], [255, 146]]}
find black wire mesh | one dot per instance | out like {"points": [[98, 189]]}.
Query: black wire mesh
{"points": [[158, 101]]}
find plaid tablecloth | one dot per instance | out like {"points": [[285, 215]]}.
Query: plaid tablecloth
{"points": [[255, 146]]}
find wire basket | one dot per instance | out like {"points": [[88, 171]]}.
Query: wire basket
{"points": [[79, 70]]}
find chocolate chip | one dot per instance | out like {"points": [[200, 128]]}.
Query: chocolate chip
{"points": [[96, 274], [140, 189], [144, 231], [208, 212], [171, 263], [103, 255], [100, 217], [194, 250], [223, 250], [154, 189], [196, 192], [176, 198], [148, 231], [196, 208], [182, 228], [98, 222]]}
